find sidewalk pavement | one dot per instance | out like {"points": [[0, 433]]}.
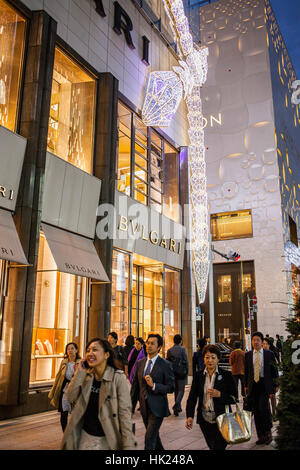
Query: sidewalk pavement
{"points": [[43, 432]]}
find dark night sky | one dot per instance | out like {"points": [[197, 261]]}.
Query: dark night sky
{"points": [[287, 13]]}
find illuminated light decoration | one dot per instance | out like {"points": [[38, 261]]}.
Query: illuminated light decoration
{"points": [[164, 91]]}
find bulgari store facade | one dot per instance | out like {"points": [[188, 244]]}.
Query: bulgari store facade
{"points": [[91, 228]]}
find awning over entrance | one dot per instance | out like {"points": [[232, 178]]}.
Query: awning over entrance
{"points": [[10, 245], [74, 254]]}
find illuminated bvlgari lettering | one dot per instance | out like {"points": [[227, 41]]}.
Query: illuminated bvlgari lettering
{"points": [[143, 236], [172, 245], [154, 240], [123, 224]]}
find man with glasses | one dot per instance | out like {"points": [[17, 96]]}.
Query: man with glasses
{"points": [[153, 380]]}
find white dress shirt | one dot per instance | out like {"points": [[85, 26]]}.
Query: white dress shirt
{"points": [[261, 361], [208, 410], [153, 359]]}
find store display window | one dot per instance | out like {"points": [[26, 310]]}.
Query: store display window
{"points": [[59, 316], [172, 311], [72, 113], [230, 225], [120, 295], [12, 43], [147, 165]]}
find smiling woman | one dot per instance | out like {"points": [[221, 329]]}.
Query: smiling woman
{"points": [[102, 416]]}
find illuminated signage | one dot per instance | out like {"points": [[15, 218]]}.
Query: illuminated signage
{"points": [[127, 225]]}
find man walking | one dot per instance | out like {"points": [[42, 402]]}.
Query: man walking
{"points": [[260, 376], [237, 362], [119, 352], [153, 380], [180, 364]]}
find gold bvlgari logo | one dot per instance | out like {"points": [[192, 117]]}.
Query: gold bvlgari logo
{"points": [[7, 193], [153, 236]]}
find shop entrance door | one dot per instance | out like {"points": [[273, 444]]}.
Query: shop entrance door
{"points": [[147, 307], [233, 284]]}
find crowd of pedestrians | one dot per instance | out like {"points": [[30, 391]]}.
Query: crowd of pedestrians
{"points": [[100, 392]]}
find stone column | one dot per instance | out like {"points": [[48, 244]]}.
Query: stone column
{"points": [[105, 169]]}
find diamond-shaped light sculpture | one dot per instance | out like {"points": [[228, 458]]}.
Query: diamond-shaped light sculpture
{"points": [[163, 94]]}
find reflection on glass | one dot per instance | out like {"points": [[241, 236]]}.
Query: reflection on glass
{"points": [[12, 40], [71, 121], [172, 314], [224, 289], [156, 172], [171, 205], [141, 162], [120, 295], [227, 225], [59, 315], [124, 126]]}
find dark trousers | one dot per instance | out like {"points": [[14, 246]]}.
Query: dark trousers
{"points": [[178, 393], [64, 419], [261, 408], [152, 424], [212, 435], [241, 378]]}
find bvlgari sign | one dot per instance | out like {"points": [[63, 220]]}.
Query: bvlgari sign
{"points": [[142, 230], [6, 192]]}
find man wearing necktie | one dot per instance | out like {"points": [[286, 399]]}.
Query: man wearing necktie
{"points": [[153, 380], [260, 385]]}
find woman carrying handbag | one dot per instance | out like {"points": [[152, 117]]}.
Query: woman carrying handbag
{"points": [[63, 377], [213, 388]]}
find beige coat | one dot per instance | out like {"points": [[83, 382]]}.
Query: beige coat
{"points": [[54, 393], [114, 409]]}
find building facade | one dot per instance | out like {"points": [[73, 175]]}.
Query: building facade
{"points": [[92, 228], [252, 144]]}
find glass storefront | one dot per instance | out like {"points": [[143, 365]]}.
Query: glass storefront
{"points": [[146, 298], [71, 123], [148, 166], [59, 316], [12, 42], [230, 225], [234, 288]]}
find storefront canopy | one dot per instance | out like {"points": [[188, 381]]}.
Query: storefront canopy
{"points": [[10, 245], [74, 254]]}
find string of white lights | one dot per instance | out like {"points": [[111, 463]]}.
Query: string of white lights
{"points": [[164, 92]]}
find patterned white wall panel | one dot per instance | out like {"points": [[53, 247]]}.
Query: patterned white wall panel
{"points": [[241, 152]]}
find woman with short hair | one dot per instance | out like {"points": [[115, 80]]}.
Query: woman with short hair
{"points": [[213, 388], [101, 419]]}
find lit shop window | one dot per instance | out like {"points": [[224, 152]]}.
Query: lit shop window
{"points": [[148, 167], [224, 289], [141, 179], [124, 154], [120, 295], [229, 225], [172, 311], [171, 205], [12, 41], [59, 316], [71, 122]]}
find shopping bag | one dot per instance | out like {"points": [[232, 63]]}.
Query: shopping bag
{"points": [[235, 427]]}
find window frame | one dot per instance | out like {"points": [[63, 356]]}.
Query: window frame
{"points": [[153, 193]]}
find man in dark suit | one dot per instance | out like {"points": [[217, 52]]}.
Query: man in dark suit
{"points": [[153, 380], [260, 377]]}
